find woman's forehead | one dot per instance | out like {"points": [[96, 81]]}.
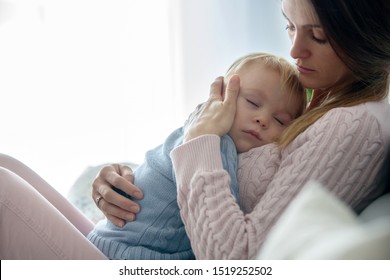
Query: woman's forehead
{"points": [[300, 12]]}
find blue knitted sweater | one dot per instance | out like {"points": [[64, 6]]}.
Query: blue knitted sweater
{"points": [[158, 231]]}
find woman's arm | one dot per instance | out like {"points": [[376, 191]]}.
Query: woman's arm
{"points": [[343, 151]]}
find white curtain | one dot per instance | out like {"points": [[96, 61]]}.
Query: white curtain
{"points": [[85, 82]]}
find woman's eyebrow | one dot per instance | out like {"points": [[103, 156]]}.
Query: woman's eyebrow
{"points": [[306, 25]]}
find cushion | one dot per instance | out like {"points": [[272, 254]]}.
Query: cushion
{"points": [[379, 208], [318, 225]]}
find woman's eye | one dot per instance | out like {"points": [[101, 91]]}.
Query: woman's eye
{"points": [[290, 27], [319, 37], [320, 41]]}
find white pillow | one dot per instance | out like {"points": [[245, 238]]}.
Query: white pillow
{"points": [[317, 225]]}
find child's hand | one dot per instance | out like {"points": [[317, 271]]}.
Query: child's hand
{"points": [[217, 114]]}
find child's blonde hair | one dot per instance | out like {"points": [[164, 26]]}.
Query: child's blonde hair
{"points": [[289, 75]]}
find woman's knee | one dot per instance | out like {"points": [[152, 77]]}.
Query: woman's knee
{"points": [[9, 181], [6, 160], [5, 175]]}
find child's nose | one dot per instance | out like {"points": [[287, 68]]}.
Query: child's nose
{"points": [[262, 120]]}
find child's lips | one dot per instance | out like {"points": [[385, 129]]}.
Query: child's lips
{"points": [[253, 133]]}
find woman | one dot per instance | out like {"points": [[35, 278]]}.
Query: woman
{"points": [[342, 50]]}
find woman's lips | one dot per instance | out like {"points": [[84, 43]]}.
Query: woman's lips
{"points": [[304, 70]]}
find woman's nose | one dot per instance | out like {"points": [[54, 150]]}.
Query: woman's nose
{"points": [[299, 48]]}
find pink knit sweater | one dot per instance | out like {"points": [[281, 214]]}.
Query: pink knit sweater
{"points": [[343, 150]]}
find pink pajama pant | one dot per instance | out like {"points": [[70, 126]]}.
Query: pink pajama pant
{"points": [[37, 222]]}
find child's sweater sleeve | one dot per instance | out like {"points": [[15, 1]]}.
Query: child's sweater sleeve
{"points": [[343, 150]]}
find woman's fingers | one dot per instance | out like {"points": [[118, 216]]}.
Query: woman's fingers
{"points": [[232, 90], [116, 201], [216, 89], [115, 206], [121, 177], [116, 215], [116, 221]]}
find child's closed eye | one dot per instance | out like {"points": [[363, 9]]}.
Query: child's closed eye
{"points": [[280, 121], [252, 103]]}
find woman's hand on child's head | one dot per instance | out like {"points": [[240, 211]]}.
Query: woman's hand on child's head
{"points": [[117, 208], [216, 115]]}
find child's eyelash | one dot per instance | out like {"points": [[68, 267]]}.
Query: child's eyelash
{"points": [[252, 103], [279, 121]]}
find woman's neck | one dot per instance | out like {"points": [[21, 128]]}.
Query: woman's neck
{"points": [[317, 98]]}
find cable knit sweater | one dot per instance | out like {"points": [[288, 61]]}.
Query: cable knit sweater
{"points": [[343, 150]]}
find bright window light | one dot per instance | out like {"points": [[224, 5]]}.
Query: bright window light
{"points": [[84, 82]]}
